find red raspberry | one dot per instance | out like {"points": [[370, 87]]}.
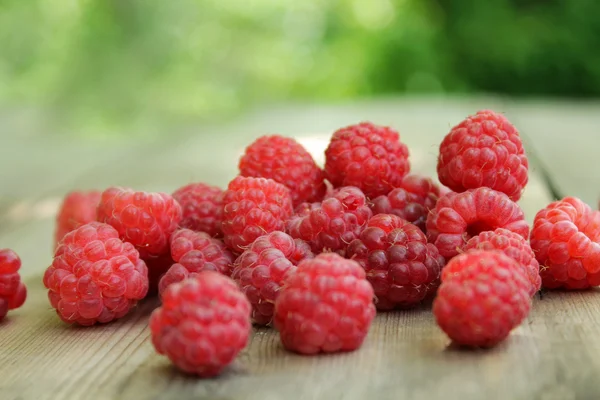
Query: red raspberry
{"points": [[484, 150], [444, 191], [261, 269], [457, 217], [204, 322], [402, 267], [252, 208], [367, 156], [202, 208], [483, 296], [77, 208], [326, 306], [195, 252], [285, 161], [566, 241], [412, 201], [514, 246], [95, 277], [143, 219], [333, 224], [13, 292]]}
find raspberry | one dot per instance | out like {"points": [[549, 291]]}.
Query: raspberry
{"points": [[202, 208], [367, 156], [444, 191], [77, 208], [95, 277], [514, 246], [332, 224], [412, 201], [484, 150], [13, 292], [402, 267], [566, 241], [143, 219], [203, 323], [261, 269], [457, 217], [285, 161], [194, 252], [326, 306], [252, 208], [483, 296]]}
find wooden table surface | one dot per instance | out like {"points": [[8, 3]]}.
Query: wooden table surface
{"points": [[554, 354]]}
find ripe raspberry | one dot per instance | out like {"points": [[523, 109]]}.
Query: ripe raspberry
{"points": [[444, 191], [484, 150], [412, 201], [261, 269], [332, 224], [285, 161], [514, 246], [13, 292], [95, 277], [566, 241], [402, 267], [202, 208], [483, 296], [195, 252], [204, 322], [77, 208], [143, 219], [326, 306], [254, 207], [457, 217], [367, 156]]}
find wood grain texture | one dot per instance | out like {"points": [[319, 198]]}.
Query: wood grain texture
{"points": [[566, 138], [555, 354]]}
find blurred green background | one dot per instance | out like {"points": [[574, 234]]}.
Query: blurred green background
{"points": [[113, 65]]}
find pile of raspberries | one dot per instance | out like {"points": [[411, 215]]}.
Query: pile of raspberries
{"points": [[316, 252]]}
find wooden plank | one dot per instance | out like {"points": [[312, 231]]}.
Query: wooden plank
{"points": [[405, 356], [553, 355], [566, 138]]}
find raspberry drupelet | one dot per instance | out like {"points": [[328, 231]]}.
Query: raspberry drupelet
{"points": [[330, 226], [513, 245], [143, 219], [457, 217], [13, 292], [566, 241], [261, 270], [253, 207], [484, 295], [95, 277], [368, 156], [484, 150], [325, 306], [402, 267], [202, 208], [194, 252], [285, 161], [412, 201], [76, 209], [203, 323]]}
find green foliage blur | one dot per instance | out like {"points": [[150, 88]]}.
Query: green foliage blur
{"points": [[113, 62]]}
